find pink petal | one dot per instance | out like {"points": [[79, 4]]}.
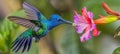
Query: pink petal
{"points": [[85, 36], [82, 39], [93, 26], [85, 23], [90, 14], [88, 28], [95, 32], [84, 11], [81, 27], [88, 36], [78, 18], [86, 15]]}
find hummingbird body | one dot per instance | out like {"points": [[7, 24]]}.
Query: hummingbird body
{"points": [[38, 26]]}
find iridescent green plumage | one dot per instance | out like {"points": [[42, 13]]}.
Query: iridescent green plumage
{"points": [[38, 26]]}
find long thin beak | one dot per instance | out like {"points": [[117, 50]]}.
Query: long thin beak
{"points": [[67, 22]]}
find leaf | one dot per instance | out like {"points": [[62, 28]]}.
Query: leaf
{"points": [[8, 30], [116, 51]]}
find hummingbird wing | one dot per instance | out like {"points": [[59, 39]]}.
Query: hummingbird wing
{"points": [[24, 22], [23, 41], [32, 12]]}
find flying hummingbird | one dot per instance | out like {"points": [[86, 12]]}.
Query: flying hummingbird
{"points": [[37, 24]]}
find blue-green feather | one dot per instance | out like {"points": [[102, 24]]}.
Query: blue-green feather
{"points": [[23, 40]]}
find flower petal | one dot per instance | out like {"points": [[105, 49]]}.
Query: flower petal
{"points": [[90, 14], [95, 32], [86, 15], [85, 36], [106, 19], [84, 23], [82, 39], [93, 26], [80, 27], [78, 18], [88, 36]]}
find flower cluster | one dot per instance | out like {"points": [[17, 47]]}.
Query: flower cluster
{"points": [[85, 24]]}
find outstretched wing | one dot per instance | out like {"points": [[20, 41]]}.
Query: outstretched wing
{"points": [[23, 41], [24, 22], [32, 12]]}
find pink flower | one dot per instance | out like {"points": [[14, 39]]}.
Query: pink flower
{"points": [[84, 23]]}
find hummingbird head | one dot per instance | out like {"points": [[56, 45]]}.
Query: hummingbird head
{"points": [[59, 20], [56, 20]]}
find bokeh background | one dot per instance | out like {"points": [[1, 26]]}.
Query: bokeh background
{"points": [[62, 39]]}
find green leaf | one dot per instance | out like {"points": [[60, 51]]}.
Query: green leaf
{"points": [[116, 51]]}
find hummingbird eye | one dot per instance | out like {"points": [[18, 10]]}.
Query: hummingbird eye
{"points": [[58, 19]]}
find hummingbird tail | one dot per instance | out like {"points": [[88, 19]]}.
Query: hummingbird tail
{"points": [[23, 41]]}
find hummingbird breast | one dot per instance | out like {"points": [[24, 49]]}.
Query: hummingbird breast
{"points": [[43, 30]]}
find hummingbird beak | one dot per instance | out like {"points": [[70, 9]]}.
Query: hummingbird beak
{"points": [[66, 22]]}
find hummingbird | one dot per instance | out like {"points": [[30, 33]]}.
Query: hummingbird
{"points": [[37, 24]]}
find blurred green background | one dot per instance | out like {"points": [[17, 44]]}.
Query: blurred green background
{"points": [[62, 39]]}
